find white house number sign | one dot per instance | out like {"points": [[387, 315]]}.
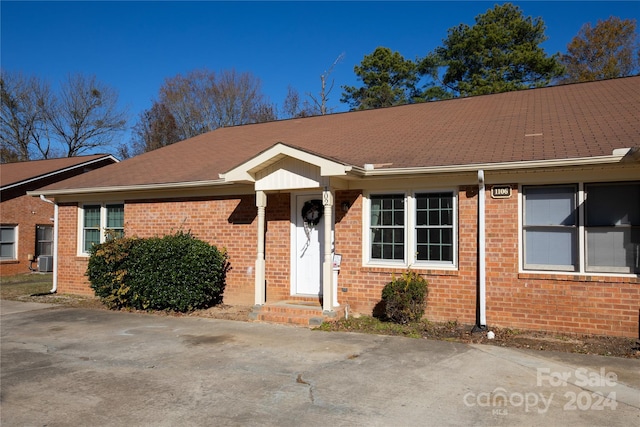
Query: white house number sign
{"points": [[501, 192]]}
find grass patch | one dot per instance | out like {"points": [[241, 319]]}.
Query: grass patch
{"points": [[372, 325], [36, 287], [23, 285]]}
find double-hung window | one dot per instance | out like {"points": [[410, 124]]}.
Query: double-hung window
{"points": [[592, 227], [416, 229], [101, 222], [8, 242], [612, 227], [44, 240], [550, 228], [387, 227], [434, 227]]}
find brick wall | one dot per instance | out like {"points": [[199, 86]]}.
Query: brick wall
{"points": [[27, 212], [451, 293], [71, 268], [228, 223], [552, 302], [278, 246]]}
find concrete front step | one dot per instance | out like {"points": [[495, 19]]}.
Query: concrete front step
{"points": [[298, 312]]}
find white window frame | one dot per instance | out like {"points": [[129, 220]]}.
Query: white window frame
{"points": [[621, 225], [410, 231], [574, 230], [41, 241], [15, 242], [103, 223], [581, 231]]}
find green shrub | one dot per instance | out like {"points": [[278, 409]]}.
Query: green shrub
{"points": [[107, 272], [405, 298], [175, 272]]}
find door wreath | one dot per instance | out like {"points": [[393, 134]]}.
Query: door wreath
{"points": [[312, 212]]}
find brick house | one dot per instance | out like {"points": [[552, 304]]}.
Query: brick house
{"points": [[28, 222], [522, 209]]}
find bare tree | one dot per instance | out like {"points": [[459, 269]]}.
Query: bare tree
{"points": [[321, 101], [155, 128], [201, 101], [85, 115], [294, 107], [187, 98], [237, 100], [22, 119]]}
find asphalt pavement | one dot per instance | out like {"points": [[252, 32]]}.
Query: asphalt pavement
{"points": [[65, 366]]}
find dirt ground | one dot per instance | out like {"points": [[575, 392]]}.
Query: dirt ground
{"points": [[570, 343], [449, 331]]}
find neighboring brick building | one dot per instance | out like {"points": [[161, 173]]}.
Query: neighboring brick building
{"points": [[521, 209], [28, 222]]}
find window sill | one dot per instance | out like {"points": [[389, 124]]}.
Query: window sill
{"points": [[424, 270], [580, 277], [9, 261]]}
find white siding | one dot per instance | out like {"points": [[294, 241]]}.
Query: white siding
{"points": [[289, 174]]}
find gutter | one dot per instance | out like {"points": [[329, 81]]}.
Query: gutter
{"points": [[124, 188], [54, 289], [616, 156]]}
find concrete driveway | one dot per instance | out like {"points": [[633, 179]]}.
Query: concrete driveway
{"points": [[64, 366]]}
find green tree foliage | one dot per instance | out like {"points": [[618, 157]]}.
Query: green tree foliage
{"points": [[175, 272], [605, 51], [500, 53], [387, 79]]}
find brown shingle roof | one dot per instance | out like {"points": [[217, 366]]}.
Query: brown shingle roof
{"points": [[561, 122], [14, 173]]}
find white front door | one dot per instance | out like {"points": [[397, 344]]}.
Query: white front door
{"points": [[307, 245]]}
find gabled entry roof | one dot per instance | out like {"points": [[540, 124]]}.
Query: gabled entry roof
{"points": [[577, 121], [246, 172]]}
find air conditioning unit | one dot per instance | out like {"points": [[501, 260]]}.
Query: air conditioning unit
{"points": [[45, 264]]}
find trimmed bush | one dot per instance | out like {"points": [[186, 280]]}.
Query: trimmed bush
{"points": [[405, 298], [107, 272], [175, 272]]}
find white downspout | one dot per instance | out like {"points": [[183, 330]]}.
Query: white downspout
{"points": [[482, 318], [54, 289]]}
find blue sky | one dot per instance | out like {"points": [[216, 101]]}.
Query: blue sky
{"points": [[134, 46]]}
